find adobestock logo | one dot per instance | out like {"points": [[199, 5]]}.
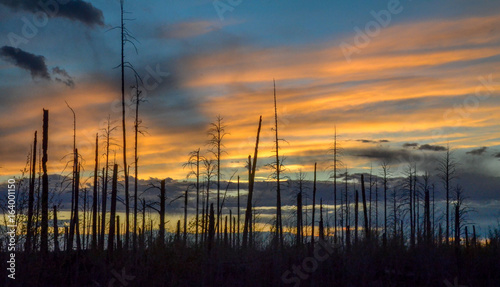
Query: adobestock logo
{"points": [[372, 29], [310, 264]]}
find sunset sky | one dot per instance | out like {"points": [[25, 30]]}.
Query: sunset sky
{"points": [[399, 80]]}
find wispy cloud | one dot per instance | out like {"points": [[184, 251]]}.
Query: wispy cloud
{"points": [[77, 10], [478, 151], [35, 64]]}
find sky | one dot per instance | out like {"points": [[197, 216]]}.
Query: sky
{"points": [[398, 80]]}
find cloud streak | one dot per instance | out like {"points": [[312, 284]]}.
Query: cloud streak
{"points": [[35, 64], [76, 10]]}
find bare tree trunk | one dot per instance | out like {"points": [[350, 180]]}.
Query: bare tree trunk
{"points": [[385, 170], [395, 216], [197, 195], [335, 185], [44, 235], [238, 232], [94, 197], [356, 211], [185, 216], [31, 199], [457, 225], [247, 227], [112, 215], [136, 160], [279, 224], [226, 239], [428, 232], [118, 235], [320, 226], [230, 227], [124, 130], [105, 189], [313, 207], [143, 239], [299, 217], [365, 210], [76, 218], [211, 227], [162, 213], [56, 231]]}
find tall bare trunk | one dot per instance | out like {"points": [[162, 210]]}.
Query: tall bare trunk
{"points": [[247, 227], [197, 195], [105, 188], [94, 197], [31, 199], [136, 160], [56, 231], [112, 215], [299, 217], [162, 213], [44, 235], [356, 211], [365, 210], [185, 215], [313, 208], [238, 231], [124, 130], [279, 224], [335, 185]]}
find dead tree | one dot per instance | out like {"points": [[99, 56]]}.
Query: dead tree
{"points": [[446, 170], [356, 211], [107, 133], [321, 225], [336, 163], [94, 197], [365, 210], [278, 166], [194, 163], [112, 215], [137, 123], [385, 170], [56, 231], [238, 231], [44, 235], [162, 213], [211, 228], [185, 215], [247, 227], [217, 134], [125, 37], [299, 214], [313, 207], [31, 199]]}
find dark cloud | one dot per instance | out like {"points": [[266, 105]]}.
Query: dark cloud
{"points": [[372, 141], [62, 76], [478, 151], [384, 154], [432, 147], [24, 60], [365, 141], [74, 10], [497, 155], [408, 145]]}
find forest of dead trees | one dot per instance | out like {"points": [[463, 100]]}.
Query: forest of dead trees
{"points": [[364, 212], [385, 228]]}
